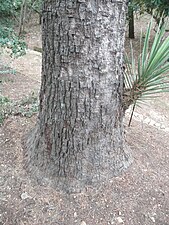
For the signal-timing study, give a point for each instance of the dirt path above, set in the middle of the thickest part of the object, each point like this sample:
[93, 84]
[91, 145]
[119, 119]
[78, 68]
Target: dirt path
[27, 77]
[138, 197]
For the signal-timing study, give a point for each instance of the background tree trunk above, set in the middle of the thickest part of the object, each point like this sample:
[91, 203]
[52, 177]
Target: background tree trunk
[131, 23]
[78, 138]
[22, 17]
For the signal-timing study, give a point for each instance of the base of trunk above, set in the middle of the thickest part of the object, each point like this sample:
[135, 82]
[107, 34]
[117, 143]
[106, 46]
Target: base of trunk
[44, 172]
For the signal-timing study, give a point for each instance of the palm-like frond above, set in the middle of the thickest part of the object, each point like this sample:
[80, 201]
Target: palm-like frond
[148, 77]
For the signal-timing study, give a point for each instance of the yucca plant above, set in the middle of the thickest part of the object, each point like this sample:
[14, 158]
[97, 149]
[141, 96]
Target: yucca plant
[147, 76]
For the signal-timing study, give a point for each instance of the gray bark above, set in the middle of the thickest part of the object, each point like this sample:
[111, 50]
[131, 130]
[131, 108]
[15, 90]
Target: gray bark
[78, 139]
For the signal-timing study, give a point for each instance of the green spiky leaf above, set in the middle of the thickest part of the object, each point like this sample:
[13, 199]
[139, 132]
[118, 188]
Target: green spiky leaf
[147, 76]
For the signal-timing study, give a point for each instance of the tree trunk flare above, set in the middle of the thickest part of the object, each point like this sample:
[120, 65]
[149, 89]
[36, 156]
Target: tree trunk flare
[78, 139]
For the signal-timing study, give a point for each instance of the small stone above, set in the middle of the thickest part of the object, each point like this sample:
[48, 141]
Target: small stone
[152, 218]
[147, 120]
[152, 123]
[25, 196]
[119, 220]
[83, 223]
[75, 214]
[112, 222]
[157, 124]
[162, 126]
[167, 129]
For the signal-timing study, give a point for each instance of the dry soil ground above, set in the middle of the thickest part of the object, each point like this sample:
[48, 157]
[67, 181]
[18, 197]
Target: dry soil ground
[139, 196]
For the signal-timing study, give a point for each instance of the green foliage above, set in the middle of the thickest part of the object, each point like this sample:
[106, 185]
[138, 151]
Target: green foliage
[4, 101]
[157, 8]
[5, 70]
[9, 40]
[9, 7]
[36, 5]
[133, 6]
[27, 107]
[147, 76]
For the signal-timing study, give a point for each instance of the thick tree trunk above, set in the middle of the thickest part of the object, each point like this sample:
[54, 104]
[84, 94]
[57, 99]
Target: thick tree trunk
[78, 138]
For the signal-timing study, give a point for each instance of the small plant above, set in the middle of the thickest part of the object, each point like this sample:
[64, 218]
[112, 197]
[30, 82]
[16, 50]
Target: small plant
[9, 40]
[4, 101]
[28, 106]
[147, 76]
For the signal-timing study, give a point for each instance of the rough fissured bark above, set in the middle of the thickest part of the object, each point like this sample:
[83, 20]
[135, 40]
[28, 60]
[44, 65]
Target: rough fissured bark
[78, 138]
